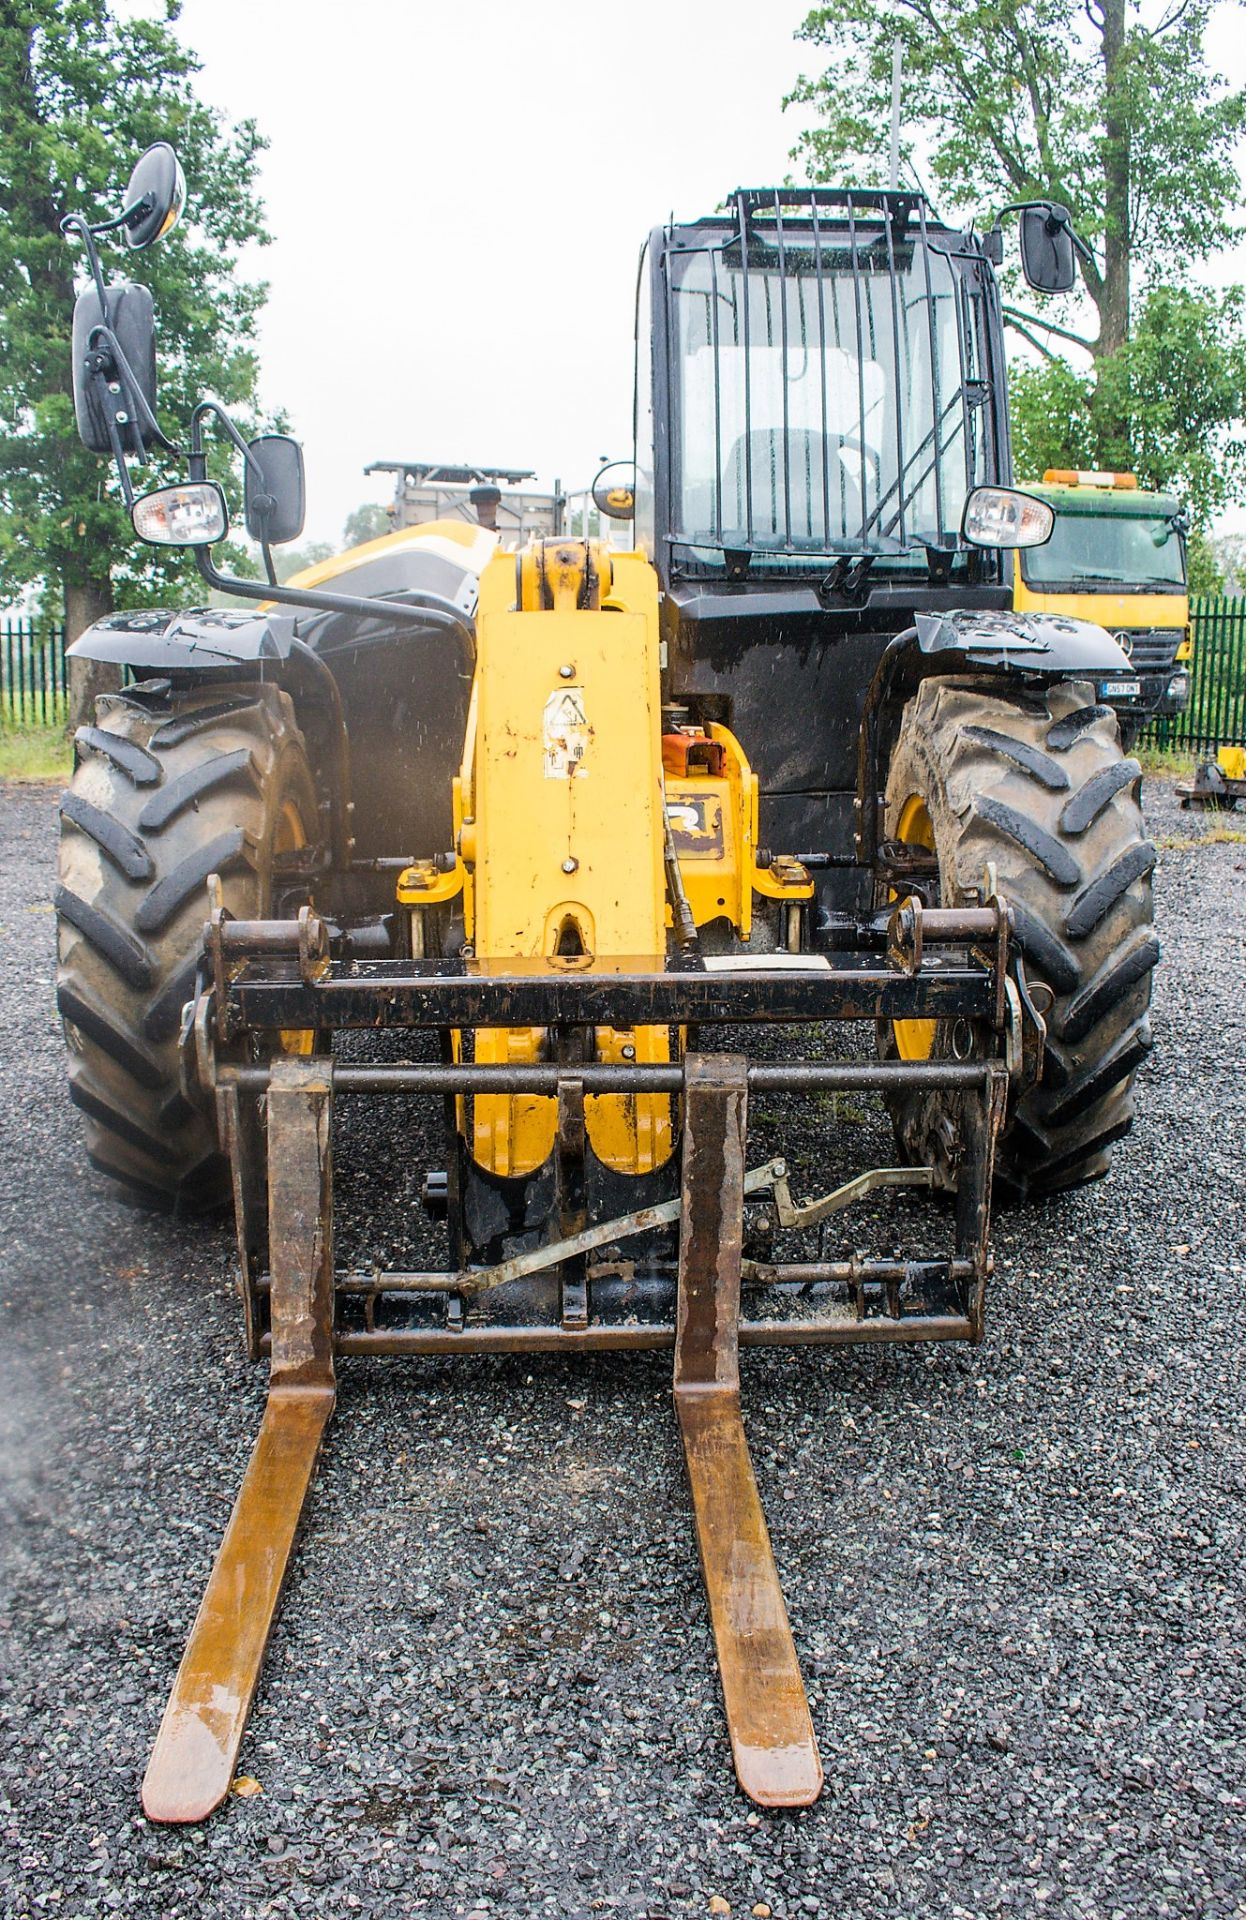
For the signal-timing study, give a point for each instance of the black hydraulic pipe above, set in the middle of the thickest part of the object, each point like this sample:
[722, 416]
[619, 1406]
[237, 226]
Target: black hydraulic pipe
[869, 773]
[421, 610]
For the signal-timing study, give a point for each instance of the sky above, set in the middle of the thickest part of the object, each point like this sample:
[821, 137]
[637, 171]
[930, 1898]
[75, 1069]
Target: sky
[458, 196]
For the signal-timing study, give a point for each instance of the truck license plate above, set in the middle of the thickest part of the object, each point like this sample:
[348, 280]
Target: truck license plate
[1120, 689]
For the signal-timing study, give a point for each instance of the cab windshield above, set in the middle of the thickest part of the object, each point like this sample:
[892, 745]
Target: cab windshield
[1108, 553]
[828, 389]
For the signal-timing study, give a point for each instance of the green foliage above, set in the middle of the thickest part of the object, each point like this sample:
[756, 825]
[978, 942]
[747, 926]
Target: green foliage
[1229, 555]
[292, 560]
[1202, 566]
[1180, 383]
[1052, 425]
[367, 522]
[82, 92]
[1179, 386]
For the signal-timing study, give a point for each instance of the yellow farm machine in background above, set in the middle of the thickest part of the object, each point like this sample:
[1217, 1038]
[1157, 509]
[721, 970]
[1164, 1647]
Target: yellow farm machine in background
[1117, 556]
[580, 825]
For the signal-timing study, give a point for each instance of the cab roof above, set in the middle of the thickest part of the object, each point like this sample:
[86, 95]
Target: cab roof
[1131, 502]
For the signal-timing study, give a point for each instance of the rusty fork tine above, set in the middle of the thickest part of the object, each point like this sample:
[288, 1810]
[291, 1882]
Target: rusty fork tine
[772, 1739]
[196, 1750]
[192, 1763]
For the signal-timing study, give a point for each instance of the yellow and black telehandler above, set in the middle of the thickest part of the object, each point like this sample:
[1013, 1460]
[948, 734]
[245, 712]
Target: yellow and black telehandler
[575, 822]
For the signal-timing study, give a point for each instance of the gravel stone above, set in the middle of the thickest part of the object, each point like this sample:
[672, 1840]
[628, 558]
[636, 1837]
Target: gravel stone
[1015, 1574]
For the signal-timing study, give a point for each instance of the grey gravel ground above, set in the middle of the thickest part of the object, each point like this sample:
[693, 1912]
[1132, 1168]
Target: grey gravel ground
[1015, 1575]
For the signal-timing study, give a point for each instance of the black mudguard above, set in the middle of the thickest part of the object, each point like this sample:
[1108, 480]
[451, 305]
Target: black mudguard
[1027, 643]
[196, 640]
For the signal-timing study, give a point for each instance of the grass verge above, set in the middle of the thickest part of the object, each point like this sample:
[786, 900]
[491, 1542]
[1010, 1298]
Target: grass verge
[35, 753]
[1173, 766]
[1186, 842]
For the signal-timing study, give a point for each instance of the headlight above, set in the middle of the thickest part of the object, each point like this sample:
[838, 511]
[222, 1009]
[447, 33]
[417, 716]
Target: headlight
[1002, 517]
[192, 515]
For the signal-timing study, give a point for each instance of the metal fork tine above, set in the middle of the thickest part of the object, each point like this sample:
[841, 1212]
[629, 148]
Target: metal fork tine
[196, 1750]
[772, 1739]
[192, 1763]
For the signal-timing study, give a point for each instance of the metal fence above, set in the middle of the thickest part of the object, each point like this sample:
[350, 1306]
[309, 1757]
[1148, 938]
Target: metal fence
[1216, 715]
[34, 677]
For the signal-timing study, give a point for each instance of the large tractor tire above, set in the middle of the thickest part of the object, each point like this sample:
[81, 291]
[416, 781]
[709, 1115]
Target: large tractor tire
[166, 792]
[1034, 784]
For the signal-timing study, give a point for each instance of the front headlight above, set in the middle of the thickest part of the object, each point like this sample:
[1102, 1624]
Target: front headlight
[1004, 517]
[192, 515]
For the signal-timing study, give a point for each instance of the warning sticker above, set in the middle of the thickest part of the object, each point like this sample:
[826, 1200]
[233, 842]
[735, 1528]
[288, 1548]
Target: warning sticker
[696, 826]
[565, 733]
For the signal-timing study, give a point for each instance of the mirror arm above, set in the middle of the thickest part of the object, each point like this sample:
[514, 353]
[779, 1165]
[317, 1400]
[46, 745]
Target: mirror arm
[419, 610]
[214, 407]
[118, 454]
[134, 395]
[1053, 225]
[199, 463]
[74, 223]
[125, 219]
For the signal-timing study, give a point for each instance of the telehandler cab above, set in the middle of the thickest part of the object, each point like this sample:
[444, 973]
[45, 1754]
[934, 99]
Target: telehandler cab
[586, 820]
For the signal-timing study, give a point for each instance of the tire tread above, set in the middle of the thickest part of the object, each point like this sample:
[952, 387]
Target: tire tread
[1075, 866]
[174, 787]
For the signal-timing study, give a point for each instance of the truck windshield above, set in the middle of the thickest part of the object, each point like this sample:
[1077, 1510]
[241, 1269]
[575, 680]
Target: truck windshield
[1091, 552]
[825, 388]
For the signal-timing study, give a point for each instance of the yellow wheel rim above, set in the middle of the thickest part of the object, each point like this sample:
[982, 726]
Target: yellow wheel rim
[290, 836]
[915, 1038]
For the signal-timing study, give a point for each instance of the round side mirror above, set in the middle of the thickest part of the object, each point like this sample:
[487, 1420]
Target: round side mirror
[614, 490]
[155, 196]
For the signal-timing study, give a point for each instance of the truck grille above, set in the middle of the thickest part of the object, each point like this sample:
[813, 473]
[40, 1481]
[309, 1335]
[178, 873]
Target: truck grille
[1150, 647]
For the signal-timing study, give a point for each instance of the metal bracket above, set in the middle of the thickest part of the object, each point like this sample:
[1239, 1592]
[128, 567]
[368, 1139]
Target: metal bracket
[474, 1281]
[572, 1209]
[811, 1211]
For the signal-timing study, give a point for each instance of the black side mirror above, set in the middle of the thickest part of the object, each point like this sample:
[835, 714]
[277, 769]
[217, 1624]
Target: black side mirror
[155, 196]
[274, 493]
[132, 322]
[614, 490]
[1047, 247]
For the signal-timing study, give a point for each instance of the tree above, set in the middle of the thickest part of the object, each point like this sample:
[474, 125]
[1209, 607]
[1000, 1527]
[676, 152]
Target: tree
[1168, 406]
[1109, 108]
[1228, 554]
[1106, 106]
[81, 94]
[291, 560]
[367, 522]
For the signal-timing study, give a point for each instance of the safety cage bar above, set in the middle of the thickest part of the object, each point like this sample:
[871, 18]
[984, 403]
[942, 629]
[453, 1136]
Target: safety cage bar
[773, 231]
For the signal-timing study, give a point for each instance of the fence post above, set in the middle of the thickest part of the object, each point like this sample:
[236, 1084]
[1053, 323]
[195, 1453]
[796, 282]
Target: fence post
[34, 675]
[1216, 714]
